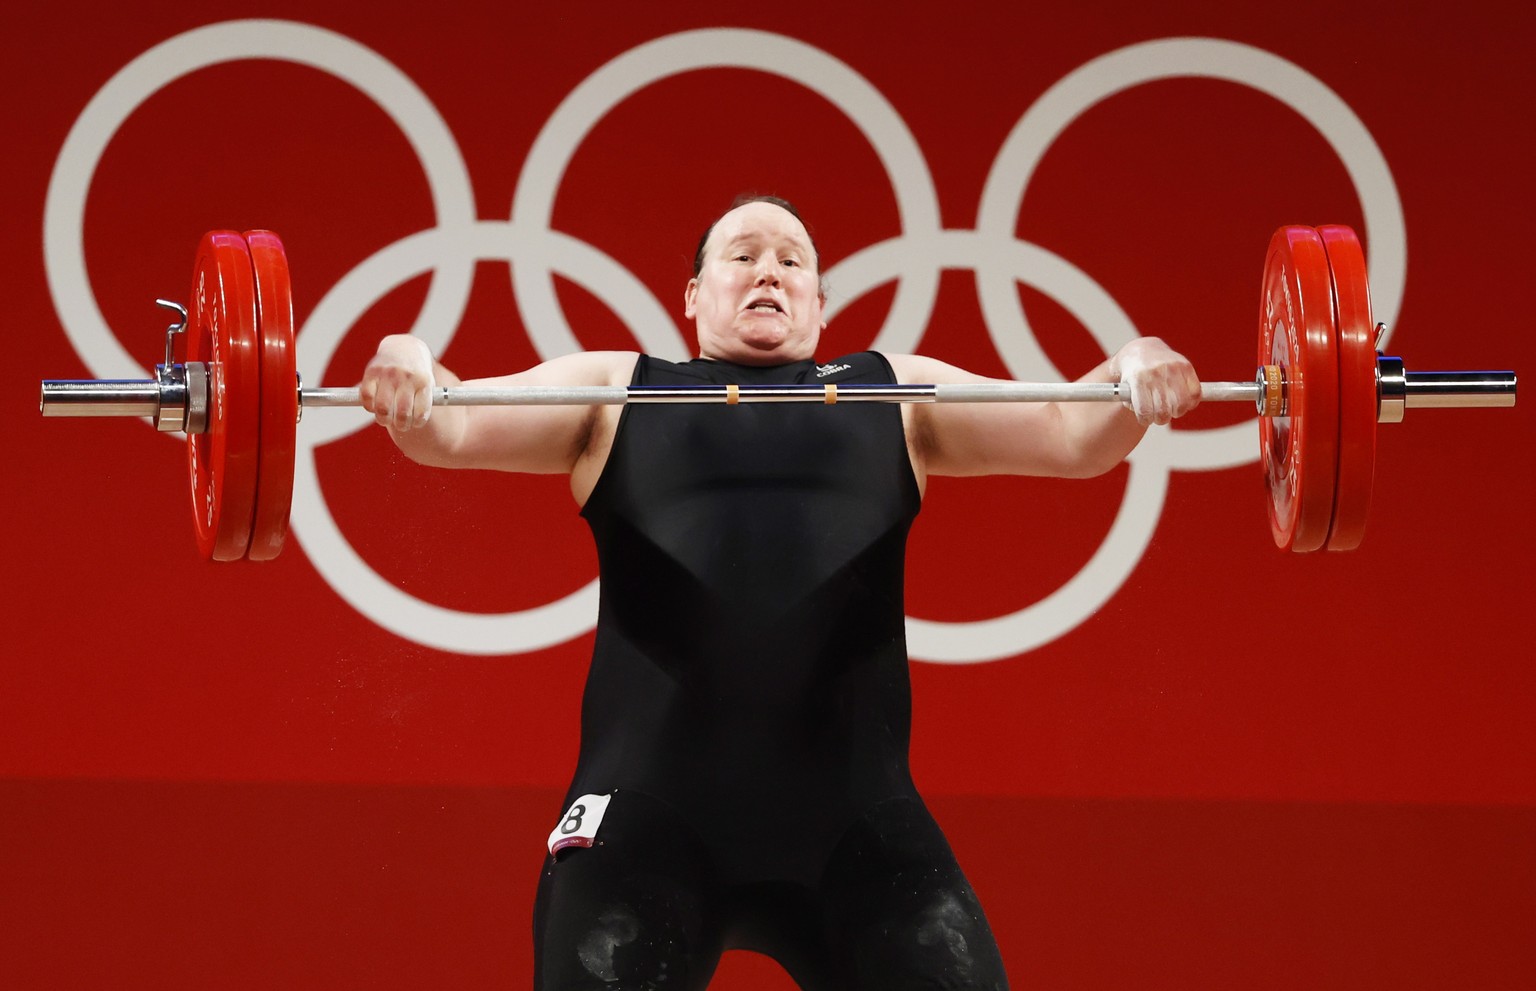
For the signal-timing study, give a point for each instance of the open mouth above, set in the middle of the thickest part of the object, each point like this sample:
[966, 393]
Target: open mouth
[764, 306]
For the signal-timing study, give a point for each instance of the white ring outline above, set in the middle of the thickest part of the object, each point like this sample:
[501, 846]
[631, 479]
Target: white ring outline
[69, 185]
[1146, 488]
[917, 200]
[1191, 450]
[1073, 95]
[481, 634]
[993, 255]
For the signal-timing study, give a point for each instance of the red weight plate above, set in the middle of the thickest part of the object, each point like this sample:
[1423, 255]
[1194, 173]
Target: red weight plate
[221, 331]
[279, 395]
[1357, 387]
[1296, 332]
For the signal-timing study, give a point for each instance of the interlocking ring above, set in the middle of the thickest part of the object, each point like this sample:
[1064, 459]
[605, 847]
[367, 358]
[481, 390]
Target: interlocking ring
[914, 259]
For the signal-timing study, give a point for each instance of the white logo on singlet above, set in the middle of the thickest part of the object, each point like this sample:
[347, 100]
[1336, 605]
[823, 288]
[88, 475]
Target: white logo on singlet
[822, 371]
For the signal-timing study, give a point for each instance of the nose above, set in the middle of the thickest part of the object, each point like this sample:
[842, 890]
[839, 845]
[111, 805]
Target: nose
[767, 269]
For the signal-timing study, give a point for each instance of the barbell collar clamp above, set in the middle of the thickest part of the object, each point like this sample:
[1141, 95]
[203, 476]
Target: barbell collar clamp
[174, 407]
[197, 397]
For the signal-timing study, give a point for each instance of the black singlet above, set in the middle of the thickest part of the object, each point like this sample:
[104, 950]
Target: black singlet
[748, 704]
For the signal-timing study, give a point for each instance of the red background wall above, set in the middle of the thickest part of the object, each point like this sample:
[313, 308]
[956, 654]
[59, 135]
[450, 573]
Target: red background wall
[1244, 769]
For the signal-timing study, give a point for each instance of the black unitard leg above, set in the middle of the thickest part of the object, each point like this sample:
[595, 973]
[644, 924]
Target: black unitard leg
[632, 913]
[900, 913]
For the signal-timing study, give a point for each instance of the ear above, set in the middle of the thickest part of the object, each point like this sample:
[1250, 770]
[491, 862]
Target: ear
[690, 298]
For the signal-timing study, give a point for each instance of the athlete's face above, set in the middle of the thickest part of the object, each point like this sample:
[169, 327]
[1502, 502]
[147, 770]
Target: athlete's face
[757, 298]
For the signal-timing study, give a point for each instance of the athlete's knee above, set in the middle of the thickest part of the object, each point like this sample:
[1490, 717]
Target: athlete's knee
[950, 944]
[904, 912]
[625, 945]
[621, 949]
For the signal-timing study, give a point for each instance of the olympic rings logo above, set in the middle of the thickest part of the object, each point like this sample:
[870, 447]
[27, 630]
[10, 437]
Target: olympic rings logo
[914, 258]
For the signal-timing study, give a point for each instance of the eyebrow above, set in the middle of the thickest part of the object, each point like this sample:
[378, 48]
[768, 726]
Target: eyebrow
[800, 244]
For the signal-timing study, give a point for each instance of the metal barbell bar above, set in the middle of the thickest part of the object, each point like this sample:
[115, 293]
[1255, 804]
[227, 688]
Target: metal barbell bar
[152, 398]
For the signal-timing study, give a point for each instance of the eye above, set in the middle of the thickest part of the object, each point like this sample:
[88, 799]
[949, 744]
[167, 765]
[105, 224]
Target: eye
[742, 258]
[791, 262]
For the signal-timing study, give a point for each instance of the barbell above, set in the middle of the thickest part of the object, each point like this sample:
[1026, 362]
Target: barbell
[1320, 391]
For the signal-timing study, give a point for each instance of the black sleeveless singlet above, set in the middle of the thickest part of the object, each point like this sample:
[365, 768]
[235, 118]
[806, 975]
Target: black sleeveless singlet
[747, 710]
[750, 660]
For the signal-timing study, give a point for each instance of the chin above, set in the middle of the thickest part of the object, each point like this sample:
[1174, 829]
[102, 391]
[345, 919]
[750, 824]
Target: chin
[781, 351]
[759, 356]
[763, 349]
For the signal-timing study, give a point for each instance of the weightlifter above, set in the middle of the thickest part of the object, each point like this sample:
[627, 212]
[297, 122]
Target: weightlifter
[743, 778]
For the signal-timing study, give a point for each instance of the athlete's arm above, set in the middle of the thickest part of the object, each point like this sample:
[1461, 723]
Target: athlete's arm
[1070, 440]
[397, 389]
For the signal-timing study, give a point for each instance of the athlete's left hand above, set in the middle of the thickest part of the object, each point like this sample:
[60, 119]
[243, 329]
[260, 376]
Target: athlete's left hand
[1162, 383]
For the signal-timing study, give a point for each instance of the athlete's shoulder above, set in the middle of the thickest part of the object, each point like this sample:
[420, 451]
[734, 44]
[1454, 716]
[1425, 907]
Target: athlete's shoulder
[860, 366]
[651, 370]
[921, 369]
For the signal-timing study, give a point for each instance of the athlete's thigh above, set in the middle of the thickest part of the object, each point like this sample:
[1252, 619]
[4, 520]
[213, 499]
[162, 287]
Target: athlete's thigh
[901, 913]
[631, 911]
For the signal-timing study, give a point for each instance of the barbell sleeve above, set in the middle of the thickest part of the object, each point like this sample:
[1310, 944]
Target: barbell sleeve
[100, 397]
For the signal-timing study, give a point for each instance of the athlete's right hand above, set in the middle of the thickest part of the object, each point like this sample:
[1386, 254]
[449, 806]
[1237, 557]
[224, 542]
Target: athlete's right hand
[397, 383]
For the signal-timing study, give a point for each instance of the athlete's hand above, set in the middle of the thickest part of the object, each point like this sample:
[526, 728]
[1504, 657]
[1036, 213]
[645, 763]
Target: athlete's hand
[1162, 384]
[397, 383]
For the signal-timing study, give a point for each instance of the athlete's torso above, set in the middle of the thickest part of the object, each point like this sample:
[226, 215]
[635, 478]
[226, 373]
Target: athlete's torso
[750, 662]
